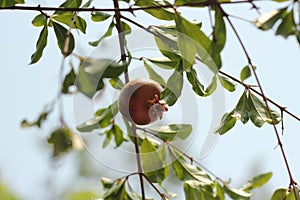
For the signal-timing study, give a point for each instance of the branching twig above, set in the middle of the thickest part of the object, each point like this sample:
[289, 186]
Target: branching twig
[292, 182]
[133, 126]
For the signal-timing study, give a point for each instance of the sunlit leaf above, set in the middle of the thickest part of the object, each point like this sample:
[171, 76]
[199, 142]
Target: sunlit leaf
[211, 87]
[6, 193]
[40, 45]
[162, 13]
[227, 122]
[101, 120]
[126, 28]
[197, 190]
[67, 19]
[153, 162]
[64, 39]
[237, 194]
[154, 75]
[287, 26]
[116, 83]
[219, 191]
[185, 171]
[257, 181]
[99, 16]
[243, 108]
[267, 20]
[196, 84]
[259, 114]
[164, 62]
[172, 131]
[279, 194]
[227, 83]
[39, 20]
[106, 182]
[106, 34]
[245, 73]
[173, 89]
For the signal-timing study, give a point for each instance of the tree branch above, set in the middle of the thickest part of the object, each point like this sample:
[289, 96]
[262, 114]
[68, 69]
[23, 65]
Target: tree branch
[265, 99]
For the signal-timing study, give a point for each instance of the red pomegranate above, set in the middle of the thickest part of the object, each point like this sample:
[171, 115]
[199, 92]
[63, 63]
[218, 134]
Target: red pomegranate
[139, 101]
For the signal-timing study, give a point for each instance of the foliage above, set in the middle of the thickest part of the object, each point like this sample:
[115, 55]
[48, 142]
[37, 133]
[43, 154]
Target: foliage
[182, 43]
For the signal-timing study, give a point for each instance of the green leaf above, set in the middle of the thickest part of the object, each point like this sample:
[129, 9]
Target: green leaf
[126, 28]
[279, 194]
[108, 138]
[71, 4]
[42, 118]
[153, 162]
[164, 62]
[227, 122]
[185, 171]
[186, 44]
[192, 40]
[287, 26]
[196, 84]
[106, 34]
[173, 89]
[40, 45]
[116, 83]
[245, 73]
[82, 195]
[257, 181]
[219, 191]
[6, 193]
[291, 194]
[166, 42]
[153, 75]
[197, 190]
[87, 4]
[162, 13]
[99, 16]
[61, 36]
[172, 131]
[101, 120]
[63, 140]
[92, 71]
[211, 87]
[259, 114]
[39, 20]
[227, 83]
[219, 33]
[117, 191]
[107, 183]
[69, 81]
[8, 3]
[67, 19]
[267, 20]
[237, 194]
[243, 108]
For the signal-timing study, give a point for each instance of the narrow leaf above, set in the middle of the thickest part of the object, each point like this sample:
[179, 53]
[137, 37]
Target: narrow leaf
[172, 131]
[226, 83]
[245, 73]
[173, 89]
[62, 35]
[106, 34]
[162, 13]
[154, 76]
[257, 181]
[267, 20]
[40, 45]
[99, 16]
[227, 122]
[243, 108]
[153, 163]
[237, 194]
[287, 26]
[69, 81]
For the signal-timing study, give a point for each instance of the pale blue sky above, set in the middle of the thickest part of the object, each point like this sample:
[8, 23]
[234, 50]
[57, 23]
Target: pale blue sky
[240, 153]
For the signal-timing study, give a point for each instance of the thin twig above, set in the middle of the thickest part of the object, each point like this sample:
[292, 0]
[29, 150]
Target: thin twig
[133, 126]
[292, 182]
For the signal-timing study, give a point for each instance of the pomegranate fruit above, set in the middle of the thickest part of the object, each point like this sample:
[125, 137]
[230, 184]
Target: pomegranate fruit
[139, 101]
